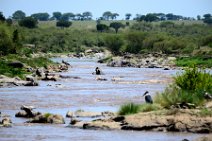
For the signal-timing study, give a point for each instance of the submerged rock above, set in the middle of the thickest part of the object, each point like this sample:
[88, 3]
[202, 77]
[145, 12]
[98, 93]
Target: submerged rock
[27, 112]
[48, 118]
[6, 122]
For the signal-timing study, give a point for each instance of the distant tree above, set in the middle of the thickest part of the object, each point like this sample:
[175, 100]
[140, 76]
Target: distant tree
[57, 15]
[107, 15]
[127, 16]
[116, 26]
[63, 24]
[114, 15]
[28, 22]
[170, 16]
[87, 15]
[18, 15]
[79, 16]
[139, 17]
[2, 18]
[101, 27]
[207, 19]
[198, 17]
[151, 17]
[65, 17]
[41, 16]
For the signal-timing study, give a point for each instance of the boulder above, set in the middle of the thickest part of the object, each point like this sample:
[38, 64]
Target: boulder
[27, 112]
[69, 114]
[48, 118]
[6, 122]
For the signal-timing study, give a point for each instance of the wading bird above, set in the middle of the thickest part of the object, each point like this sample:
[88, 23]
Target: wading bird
[148, 98]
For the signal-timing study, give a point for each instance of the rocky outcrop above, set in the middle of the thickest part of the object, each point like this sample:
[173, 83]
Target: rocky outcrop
[16, 81]
[154, 60]
[27, 112]
[182, 120]
[48, 118]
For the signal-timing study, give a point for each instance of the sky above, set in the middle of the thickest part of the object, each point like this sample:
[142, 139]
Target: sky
[187, 8]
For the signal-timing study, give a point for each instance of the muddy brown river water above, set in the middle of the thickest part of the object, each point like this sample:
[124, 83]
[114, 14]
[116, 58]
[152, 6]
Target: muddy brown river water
[88, 94]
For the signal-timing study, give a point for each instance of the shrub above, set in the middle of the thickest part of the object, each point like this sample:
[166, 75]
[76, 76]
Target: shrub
[135, 41]
[129, 108]
[114, 43]
[28, 22]
[194, 79]
[188, 87]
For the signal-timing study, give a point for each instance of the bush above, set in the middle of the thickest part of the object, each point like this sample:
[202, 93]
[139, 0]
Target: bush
[194, 79]
[135, 41]
[129, 108]
[28, 22]
[188, 87]
[114, 43]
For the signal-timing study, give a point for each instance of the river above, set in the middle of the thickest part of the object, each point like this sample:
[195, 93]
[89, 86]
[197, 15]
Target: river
[88, 94]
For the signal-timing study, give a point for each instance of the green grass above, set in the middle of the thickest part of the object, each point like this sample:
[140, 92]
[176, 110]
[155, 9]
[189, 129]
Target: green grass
[189, 61]
[128, 109]
[27, 61]
[205, 112]
[132, 108]
[46, 115]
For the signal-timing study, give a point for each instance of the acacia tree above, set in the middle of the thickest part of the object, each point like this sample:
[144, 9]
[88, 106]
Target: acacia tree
[116, 26]
[57, 15]
[41, 16]
[107, 15]
[207, 19]
[18, 15]
[127, 16]
[114, 15]
[87, 15]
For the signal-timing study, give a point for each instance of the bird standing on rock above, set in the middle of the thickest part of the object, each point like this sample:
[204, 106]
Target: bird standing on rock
[148, 98]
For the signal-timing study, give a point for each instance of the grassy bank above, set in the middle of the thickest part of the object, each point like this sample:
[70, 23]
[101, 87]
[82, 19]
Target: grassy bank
[28, 62]
[187, 91]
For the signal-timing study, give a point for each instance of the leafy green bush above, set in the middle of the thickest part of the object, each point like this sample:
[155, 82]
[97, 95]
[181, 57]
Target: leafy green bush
[114, 43]
[194, 79]
[135, 41]
[188, 87]
[129, 108]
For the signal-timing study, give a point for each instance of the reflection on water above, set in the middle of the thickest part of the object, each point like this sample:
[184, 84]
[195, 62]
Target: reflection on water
[88, 94]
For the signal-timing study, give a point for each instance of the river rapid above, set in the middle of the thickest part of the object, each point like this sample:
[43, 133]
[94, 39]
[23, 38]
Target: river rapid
[123, 85]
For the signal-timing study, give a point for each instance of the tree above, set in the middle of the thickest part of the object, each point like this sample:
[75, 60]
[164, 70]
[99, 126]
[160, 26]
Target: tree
[87, 15]
[57, 15]
[18, 15]
[101, 27]
[207, 19]
[79, 16]
[198, 17]
[41, 16]
[114, 15]
[151, 17]
[2, 18]
[127, 16]
[107, 15]
[116, 26]
[28, 22]
[63, 24]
